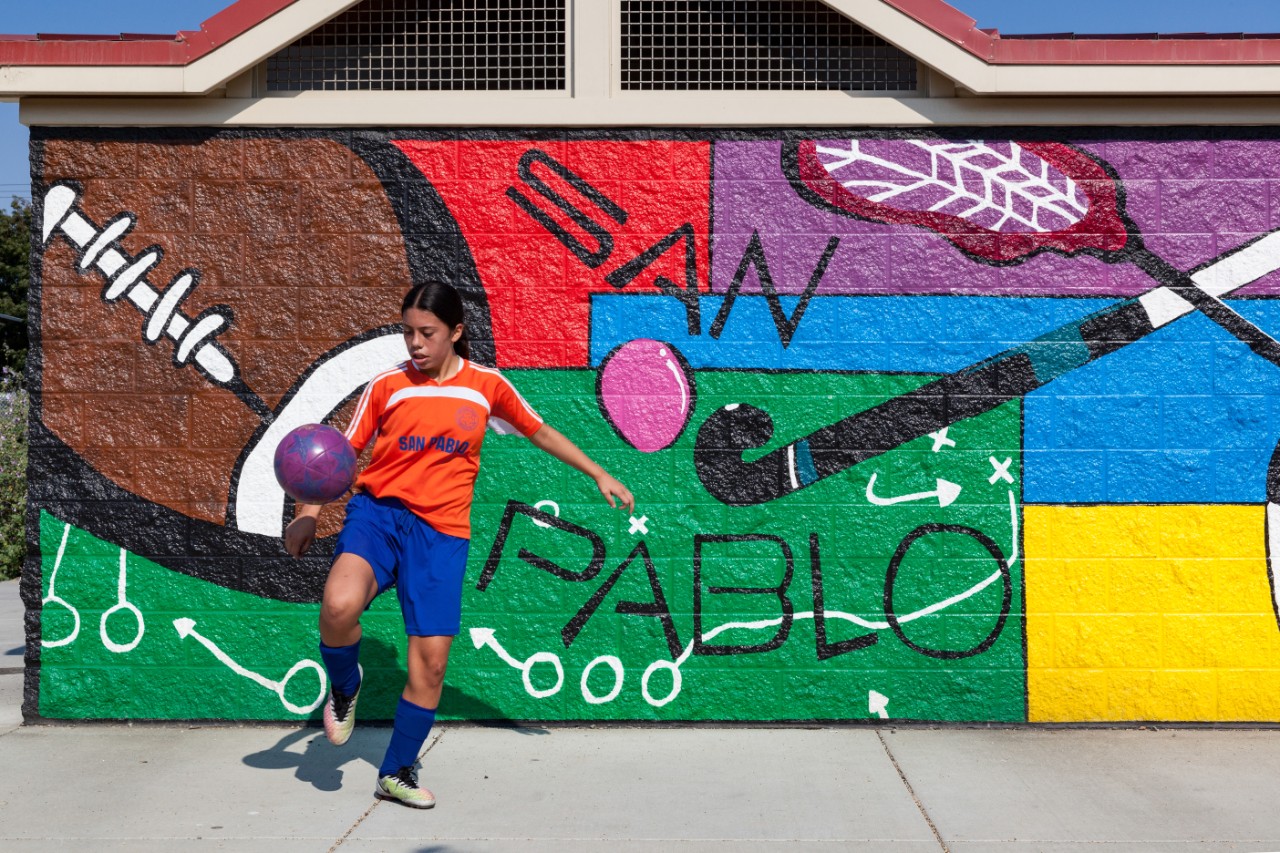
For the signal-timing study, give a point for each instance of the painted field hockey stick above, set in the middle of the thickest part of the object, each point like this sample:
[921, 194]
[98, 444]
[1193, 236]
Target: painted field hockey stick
[1095, 225]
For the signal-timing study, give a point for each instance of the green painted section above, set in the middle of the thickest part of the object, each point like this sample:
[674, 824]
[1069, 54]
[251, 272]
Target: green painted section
[166, 676]
[527, 608]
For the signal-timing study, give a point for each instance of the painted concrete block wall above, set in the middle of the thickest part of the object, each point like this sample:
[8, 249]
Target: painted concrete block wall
[919, 425]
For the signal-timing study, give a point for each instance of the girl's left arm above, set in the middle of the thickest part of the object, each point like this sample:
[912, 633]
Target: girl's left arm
[552, 441]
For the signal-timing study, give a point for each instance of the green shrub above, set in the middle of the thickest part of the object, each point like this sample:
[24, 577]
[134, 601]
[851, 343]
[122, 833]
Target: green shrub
[14, 405]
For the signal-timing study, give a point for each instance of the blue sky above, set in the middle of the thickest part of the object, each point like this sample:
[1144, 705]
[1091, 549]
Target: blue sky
[1010, 16]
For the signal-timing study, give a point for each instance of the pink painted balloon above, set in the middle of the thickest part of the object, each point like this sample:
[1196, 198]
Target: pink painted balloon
[646, 392]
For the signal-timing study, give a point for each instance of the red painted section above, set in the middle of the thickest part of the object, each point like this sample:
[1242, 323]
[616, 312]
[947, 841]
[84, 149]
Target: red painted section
[1065, 49]
[539, 289]
[1101, 230]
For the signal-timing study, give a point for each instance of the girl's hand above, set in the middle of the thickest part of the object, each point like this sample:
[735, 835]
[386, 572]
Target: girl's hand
[299, 535]
[611, 488]
[549, 439]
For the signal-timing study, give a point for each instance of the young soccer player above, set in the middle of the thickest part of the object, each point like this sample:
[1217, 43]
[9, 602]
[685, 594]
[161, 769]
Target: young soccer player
[409, 521]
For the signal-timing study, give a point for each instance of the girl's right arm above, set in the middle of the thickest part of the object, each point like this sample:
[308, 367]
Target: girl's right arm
[301, 532]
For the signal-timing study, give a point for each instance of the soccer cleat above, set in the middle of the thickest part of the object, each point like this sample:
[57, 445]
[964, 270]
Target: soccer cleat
[402, 786]
[340, 714]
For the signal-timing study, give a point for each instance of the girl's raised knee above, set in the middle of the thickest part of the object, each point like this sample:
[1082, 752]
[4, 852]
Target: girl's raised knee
[340, 613]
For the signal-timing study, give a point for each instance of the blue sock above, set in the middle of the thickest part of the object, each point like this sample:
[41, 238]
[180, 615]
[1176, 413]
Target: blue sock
[342, 662]
[413, 724]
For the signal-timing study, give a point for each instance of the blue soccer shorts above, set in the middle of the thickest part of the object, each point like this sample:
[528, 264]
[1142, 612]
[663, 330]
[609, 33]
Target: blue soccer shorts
[425, 566]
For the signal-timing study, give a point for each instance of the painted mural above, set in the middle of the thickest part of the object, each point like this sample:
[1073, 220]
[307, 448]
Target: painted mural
[973, 426]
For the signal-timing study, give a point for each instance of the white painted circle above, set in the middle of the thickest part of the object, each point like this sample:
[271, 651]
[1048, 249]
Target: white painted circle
[616, 665]
[118, 648]
[675, 682]
[298, 667]
[555, 510]
[550, 658]
[75, 632]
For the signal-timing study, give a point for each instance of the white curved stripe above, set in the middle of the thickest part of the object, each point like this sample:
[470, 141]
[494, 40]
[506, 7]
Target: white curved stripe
[366, 394]
[1013, 522]
[458, 393]
[1273, 549]
[259, 500]
[680, 380]
[877, 625]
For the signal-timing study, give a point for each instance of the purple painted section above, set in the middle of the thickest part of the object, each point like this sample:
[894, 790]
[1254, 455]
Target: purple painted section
[1191, 201]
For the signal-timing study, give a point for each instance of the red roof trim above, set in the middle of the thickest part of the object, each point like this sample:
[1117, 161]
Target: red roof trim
[1071, 49]
[950, 23]
[181, 48]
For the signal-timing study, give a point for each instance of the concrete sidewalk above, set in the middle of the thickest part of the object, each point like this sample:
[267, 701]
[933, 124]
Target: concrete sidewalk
[280, 789]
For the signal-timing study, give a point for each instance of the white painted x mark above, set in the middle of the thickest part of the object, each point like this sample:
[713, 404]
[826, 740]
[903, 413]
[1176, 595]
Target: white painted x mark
[1002, 470]
[638, 524]
[940, 439]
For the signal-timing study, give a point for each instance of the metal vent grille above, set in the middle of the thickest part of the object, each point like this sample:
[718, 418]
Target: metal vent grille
[754, 44]
[467, 45]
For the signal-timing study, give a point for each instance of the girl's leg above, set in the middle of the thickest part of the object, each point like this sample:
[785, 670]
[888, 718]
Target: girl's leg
[428, 658]
[347, 592]
[416, 712]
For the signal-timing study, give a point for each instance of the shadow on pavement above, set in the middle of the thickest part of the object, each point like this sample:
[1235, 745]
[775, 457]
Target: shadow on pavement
[320, 763]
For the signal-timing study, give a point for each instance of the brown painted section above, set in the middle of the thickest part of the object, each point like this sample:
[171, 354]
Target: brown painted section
[295, 237]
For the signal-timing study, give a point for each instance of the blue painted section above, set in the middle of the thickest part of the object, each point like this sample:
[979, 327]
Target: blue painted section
[806, 473]
[1057, 353]
[1186, 415]
[907, 334]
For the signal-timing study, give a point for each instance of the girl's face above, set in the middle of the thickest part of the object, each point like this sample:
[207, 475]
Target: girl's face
[428, 339]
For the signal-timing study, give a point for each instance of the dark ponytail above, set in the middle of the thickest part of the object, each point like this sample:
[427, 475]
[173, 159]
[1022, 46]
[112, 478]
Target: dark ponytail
[441, 299]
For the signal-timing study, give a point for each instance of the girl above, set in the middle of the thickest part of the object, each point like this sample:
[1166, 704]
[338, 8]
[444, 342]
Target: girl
[408, 522]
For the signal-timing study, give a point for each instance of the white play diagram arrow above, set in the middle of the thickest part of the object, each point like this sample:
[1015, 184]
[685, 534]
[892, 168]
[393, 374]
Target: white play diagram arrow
[187, 628]
[481, 637]
[878, 704]
[946, 493]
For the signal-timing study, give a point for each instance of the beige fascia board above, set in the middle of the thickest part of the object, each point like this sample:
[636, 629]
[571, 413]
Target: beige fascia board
[687, 110]
[114, 80]
[1031, 80]
[1152, 80]
[213, 70]
[245, 51]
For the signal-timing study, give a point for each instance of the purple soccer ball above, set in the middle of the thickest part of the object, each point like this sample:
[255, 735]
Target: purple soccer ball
[315, 464]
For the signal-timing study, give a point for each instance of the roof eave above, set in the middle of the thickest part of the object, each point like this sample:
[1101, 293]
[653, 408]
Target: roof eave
[941, 37]
[948, 41]
[192, 63]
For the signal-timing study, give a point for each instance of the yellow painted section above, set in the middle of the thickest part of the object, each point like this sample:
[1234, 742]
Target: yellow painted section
[1149, 613]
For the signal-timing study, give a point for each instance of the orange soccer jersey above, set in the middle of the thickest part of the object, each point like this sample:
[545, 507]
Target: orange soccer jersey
[427, 436]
